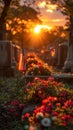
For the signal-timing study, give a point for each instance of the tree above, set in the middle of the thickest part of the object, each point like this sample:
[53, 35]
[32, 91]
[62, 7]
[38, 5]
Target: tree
[3, 18]
[66, 7]
[16, 16]
[20, 21]
[57, 35]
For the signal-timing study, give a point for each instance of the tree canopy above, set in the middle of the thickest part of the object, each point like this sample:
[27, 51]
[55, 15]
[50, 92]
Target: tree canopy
[17, 16]
[66, 6]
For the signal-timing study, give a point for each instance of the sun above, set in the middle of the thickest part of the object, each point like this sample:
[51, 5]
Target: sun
[38, 28]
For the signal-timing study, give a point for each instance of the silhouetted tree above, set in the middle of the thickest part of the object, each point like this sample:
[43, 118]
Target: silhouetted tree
[66, 7]
[3, 18]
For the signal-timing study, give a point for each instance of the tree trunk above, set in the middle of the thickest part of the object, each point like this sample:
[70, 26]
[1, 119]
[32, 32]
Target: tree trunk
[3, 19]
[2, 31]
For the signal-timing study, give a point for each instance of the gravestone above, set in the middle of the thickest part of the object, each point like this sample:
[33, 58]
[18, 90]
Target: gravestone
[62, 54]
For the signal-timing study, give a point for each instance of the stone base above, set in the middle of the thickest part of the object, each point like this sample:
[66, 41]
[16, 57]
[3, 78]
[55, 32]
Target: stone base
[68, 66]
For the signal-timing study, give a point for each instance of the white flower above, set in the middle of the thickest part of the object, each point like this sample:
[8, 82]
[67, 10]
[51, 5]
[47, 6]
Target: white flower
[26, 127]
[32, 72]
[54, 118]
[46, 122]
[39, 114]
[36, 66]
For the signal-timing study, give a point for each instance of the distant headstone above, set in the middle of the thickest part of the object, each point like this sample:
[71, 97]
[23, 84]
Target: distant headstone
[62, 54]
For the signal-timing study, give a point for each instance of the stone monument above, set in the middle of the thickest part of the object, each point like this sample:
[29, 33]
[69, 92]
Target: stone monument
[68, 65]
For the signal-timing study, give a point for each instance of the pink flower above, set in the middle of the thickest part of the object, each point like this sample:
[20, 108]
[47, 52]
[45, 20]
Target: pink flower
[16, 114]
[36, 79]
[21, 106]
[29, 84]
[51, 78]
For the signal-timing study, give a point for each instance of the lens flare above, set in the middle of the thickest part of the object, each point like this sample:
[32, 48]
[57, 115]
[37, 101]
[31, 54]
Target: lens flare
[38, 28]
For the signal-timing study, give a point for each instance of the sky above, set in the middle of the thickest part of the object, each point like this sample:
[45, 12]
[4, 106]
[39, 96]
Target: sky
[53, 18]
[49, 15]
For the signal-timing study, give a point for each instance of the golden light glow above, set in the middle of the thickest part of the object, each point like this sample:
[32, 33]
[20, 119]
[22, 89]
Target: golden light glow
[38, 28]
[53, 53]
[14, 32]
[63, 35]
[42, 4]
[57, 20]
[20, 67]
[49, 7]
[42, 51]
[49, 10]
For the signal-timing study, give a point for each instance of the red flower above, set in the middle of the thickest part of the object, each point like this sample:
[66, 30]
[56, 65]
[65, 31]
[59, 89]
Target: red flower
[47, 109]
[68, 103]
[55, 113]
[55, 83]
[25, 115]
[12, 110]
[15, 103]
[66, 118]
[44, 83]
[64, 124]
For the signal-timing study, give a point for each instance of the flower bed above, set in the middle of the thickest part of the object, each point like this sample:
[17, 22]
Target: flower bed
[53, 114]
[39, 89]
[34, 66]
[38, 105]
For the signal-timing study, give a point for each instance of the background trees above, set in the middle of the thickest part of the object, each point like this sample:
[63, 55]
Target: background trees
[21, 19]
[66, 7]
[18, 20]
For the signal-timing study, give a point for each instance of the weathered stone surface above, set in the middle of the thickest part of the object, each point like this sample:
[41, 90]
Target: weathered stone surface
[68, 66]
[29, 109]
[64, 77]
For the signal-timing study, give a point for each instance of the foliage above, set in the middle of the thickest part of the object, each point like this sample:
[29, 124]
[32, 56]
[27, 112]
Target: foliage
[66, 6]
[39, 89]
[18, 18]
[15, 97]
[19, 21]
[57, 35]
[52, 114]
[11, 88]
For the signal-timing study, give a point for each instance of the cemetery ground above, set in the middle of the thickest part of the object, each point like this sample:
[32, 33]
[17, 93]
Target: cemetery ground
[36, 103]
